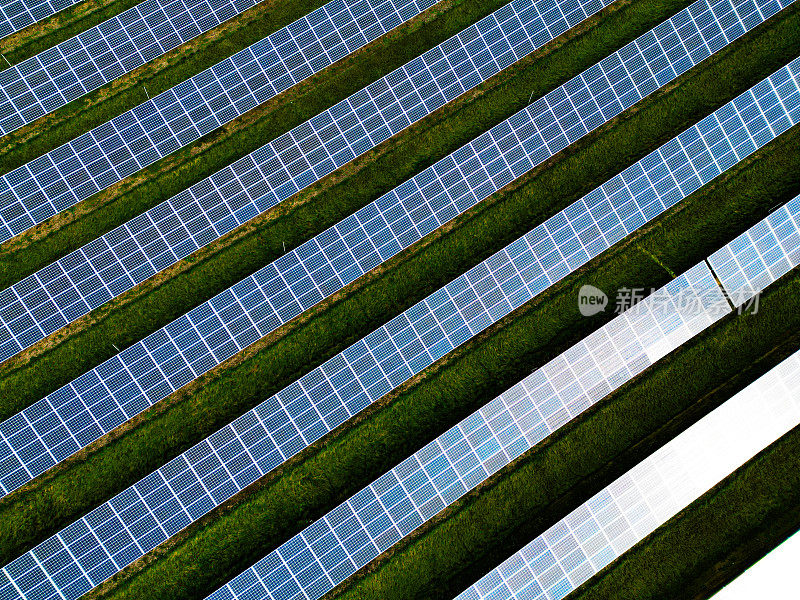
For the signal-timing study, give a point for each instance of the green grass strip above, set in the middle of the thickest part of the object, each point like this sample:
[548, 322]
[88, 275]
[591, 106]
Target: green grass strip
[245, 529]
[124, 322]
[715, 538]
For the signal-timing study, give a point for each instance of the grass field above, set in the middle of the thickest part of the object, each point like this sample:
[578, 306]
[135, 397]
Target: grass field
[472, 536]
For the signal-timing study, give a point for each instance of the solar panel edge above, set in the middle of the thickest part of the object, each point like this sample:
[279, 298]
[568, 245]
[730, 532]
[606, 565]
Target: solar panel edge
[24, 15]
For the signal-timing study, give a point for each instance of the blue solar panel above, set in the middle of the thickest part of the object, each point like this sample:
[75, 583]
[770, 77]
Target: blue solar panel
[108, 153]
[261, 439]
[633, 506]
[759, 256]
[79, 65]
[18, 14]
[174, 229]
[111, 265]
[73, 416]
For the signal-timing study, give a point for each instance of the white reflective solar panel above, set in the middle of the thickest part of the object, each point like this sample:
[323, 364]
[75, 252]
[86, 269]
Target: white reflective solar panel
[137, 138]
[172, 230]
[629, 509]
[774, 576]
[18, 14]
[190, 485]
[346, 539]
[51, 79]
[759, 256]
[92, 275]
[75, 415]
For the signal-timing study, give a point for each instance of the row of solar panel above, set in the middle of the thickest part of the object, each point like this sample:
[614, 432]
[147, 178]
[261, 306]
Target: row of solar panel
[87, 278]
[346, 539]
[18, 14]
[80, 412]
[212, 471]
[633, 506]
[181, 115]
[63, 73]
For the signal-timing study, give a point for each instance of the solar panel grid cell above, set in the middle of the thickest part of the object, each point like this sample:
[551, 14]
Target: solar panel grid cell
[176, 228]
[18, 14]
[258, 441]
[73, 416]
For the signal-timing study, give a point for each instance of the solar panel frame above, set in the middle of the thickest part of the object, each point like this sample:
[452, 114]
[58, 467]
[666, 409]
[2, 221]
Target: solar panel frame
[633, 506]
[75, 171]
[53, 78]
[760, 255]
[19, 14]
[345, 540]
[57, 426]
[177, 227]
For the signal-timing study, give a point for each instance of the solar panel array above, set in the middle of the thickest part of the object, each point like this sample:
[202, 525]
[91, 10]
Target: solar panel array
[51, 79]
[67, 71]
[80, 412]
[138, 519]
[135, 521]
[181, 115]
[212, 471]
[18, 14]
[633, 506]
[759, 256]
[327, 552]
[90, 276]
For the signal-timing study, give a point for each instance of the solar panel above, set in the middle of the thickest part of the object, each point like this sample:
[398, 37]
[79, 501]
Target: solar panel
[75, 415]
[128, 255]
[190, 485]
[61, 74]
[633, 506]
[18, 14]
[108, 153]
[759, 256]
[111, 536]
